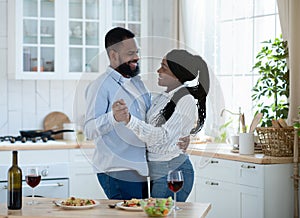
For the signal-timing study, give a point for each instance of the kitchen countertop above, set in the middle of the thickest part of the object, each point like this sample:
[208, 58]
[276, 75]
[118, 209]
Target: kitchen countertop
[222, 151]
[50, 145]
[46, 209]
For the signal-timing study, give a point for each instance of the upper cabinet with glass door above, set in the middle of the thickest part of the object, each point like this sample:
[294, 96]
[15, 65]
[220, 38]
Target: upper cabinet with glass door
[51, 39]
[83, 44]
[32, 39]
[128, 14]
[60, 39]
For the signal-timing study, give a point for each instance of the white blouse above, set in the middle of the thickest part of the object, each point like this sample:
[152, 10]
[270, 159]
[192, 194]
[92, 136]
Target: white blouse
[161, 141]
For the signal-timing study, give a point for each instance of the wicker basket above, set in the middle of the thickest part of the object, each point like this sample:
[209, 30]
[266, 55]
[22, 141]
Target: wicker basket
[277, 142]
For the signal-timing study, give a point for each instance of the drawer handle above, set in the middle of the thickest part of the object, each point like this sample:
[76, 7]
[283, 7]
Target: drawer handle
[247, 166]
[214, 161]
[52, 184]
[59, 184]
[211, 183]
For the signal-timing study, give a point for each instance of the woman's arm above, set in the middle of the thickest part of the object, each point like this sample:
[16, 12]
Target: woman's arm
[179, 124]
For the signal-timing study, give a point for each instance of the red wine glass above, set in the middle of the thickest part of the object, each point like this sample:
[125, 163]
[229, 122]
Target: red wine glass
[175, 183]
[33, 178]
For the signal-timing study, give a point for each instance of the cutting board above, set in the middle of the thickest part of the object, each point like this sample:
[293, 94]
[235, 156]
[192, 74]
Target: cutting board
[55, 121]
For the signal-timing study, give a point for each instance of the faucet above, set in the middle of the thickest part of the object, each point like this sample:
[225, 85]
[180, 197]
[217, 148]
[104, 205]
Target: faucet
[222, 112]
[233, 113]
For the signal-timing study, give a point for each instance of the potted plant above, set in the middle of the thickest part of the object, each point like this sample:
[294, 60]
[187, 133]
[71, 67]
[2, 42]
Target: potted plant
[271, 90]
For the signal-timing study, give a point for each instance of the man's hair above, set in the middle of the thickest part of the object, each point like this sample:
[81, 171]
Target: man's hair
[117, 35]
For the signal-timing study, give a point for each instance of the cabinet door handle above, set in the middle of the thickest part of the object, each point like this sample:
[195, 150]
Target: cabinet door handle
[4, 187]
[247, 166]
[214, 161]
[211, 183]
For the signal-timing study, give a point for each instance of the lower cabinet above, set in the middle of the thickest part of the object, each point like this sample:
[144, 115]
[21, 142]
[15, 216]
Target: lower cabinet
[222, 196]
[83, 180]
[243, 190]
[251, 202]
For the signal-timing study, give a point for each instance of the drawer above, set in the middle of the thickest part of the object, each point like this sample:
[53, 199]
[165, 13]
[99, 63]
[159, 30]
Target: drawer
[214, 168]
[251, 174]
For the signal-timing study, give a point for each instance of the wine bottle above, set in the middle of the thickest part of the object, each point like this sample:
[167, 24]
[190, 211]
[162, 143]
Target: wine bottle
[14, 186]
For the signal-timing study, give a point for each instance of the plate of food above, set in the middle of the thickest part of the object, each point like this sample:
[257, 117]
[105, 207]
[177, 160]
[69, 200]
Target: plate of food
[133, 205]
[76, 203]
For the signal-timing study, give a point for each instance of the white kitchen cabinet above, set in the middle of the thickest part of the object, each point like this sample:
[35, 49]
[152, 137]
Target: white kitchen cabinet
[243, 190]
[50, 39]
[251, 202]
[83, 180]
[78, 172]
[53, 166]
[222, 195]
[61, 40]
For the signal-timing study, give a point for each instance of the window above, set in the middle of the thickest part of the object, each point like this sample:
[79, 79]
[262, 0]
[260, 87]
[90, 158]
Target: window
[232, 38]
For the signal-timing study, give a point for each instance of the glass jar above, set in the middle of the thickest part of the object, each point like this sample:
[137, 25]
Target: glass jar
[34, 64]
[49, 66]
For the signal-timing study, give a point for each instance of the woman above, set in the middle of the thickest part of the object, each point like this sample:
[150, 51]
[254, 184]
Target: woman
[172, 115]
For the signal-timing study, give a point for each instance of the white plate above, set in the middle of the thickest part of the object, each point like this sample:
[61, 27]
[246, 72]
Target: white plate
[120, 205]
[59, 203]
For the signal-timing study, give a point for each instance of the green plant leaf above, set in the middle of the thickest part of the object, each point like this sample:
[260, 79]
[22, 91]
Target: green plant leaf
[273, 83]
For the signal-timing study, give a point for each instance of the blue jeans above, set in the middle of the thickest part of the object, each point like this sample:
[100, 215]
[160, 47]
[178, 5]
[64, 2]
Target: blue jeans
[116, 186]
[159, 172]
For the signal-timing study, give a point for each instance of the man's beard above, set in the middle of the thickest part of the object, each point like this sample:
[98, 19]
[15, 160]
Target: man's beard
[125, 70]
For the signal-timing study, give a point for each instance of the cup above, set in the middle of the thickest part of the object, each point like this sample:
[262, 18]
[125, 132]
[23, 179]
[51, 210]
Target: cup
[246, 143]
[69, 135]
[233, 140]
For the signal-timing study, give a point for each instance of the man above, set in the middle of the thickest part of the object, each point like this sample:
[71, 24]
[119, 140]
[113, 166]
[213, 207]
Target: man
[120, 157]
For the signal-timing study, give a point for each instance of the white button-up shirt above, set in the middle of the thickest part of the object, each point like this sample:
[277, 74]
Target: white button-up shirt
[161, 141]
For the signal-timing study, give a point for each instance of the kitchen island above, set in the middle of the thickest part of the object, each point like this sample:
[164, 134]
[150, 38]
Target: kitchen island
[46, 209]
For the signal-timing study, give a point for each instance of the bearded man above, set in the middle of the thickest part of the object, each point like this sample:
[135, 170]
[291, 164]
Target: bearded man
[120, 157]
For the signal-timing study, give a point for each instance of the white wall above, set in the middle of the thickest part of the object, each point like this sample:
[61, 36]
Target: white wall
[24, 104]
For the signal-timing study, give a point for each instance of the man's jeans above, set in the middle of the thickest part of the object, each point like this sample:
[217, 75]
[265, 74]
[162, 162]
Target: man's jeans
[123, 185]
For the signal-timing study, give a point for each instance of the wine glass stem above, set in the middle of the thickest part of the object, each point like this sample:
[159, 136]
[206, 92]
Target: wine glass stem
[32, 195]
[174, 200]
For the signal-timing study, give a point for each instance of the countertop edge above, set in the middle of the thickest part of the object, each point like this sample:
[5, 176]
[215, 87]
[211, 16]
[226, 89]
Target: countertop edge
[221, 151]
[40, 146]
[224, 152]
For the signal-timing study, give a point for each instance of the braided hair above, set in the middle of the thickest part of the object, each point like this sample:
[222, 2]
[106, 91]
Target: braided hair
[187, 67]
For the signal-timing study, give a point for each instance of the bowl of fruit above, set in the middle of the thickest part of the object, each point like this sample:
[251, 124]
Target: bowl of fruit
[157, 207]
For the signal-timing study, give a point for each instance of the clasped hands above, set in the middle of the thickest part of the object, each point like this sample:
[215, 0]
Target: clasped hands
[120, 111]
[121, 114]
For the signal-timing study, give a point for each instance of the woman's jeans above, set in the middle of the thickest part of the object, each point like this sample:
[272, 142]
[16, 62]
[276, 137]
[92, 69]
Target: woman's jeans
[159, 172]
